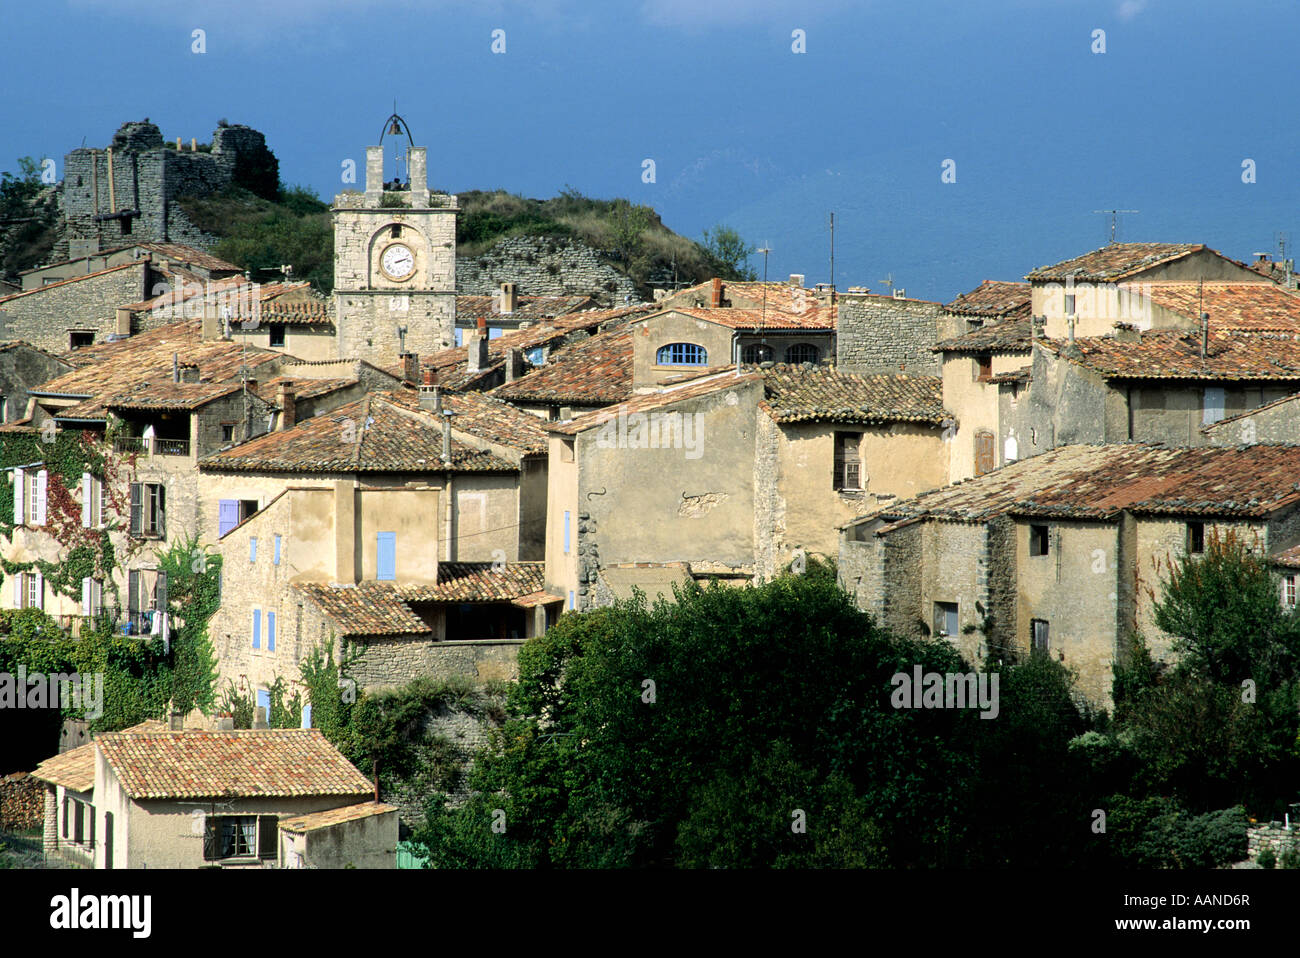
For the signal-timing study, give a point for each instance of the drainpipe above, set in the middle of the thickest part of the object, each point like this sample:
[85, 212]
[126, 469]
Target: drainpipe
[1205, 334]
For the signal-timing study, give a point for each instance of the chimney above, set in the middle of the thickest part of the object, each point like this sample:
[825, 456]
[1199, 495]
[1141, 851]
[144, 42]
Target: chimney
[478, 347]
[194, 144]
[123, 327]
[796, 280]
[177, 720]
[288, 406]
[715, 299]
[1070, 322]
[430, 398]
[411, 368]
[259, 718]
[509, 298]
[1127, 333]
[176, 367]
[514, 363]
[225, 723]
[1205, 334]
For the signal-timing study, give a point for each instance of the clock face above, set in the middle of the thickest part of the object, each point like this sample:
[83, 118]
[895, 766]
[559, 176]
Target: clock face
[397, 262]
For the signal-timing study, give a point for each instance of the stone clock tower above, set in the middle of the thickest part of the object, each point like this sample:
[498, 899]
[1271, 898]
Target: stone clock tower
[394, 263]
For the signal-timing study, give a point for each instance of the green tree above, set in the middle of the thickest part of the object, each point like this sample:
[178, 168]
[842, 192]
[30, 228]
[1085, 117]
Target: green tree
[627, 226]
[729, 254]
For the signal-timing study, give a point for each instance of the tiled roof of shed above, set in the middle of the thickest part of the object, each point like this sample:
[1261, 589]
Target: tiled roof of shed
[1008, 336]
[368, 608]
[389, 437]
[75, 768]
[592, 372]
[1175, 354]
[272, 763]
[1100, 481]
[169, 395]
[334, 816]
[1114, 262]
[807, 394]
[1236, 306]
[993, 298]
[486, 417]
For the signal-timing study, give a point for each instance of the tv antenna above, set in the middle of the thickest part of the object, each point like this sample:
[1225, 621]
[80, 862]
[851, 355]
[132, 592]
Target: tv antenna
[888, 282]
[1113, 214]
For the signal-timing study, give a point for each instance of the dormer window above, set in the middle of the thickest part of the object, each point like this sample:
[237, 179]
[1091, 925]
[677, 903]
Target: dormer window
[682, 354]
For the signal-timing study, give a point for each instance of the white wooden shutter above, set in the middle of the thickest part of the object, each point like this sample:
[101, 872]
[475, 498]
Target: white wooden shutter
[86, 490]
[40, 590]
[85, 597]
[18, 590]
[20, 497]
[41, 478]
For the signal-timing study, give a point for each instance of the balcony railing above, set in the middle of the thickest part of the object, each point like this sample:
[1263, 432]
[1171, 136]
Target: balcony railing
[171, 447]
[128, 444]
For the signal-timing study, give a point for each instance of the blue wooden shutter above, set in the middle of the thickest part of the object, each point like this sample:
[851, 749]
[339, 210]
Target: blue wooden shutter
[270, 631]
[277, 548]
[252, 548]
[257, 628]
[227, 516]
[386, 560]
[306, 716]
[566, 531]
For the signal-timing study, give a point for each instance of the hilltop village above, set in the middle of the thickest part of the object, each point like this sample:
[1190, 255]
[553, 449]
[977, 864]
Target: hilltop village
[422, 478]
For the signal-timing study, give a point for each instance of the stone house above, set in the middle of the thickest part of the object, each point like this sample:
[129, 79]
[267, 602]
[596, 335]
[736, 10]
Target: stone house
[1063, 553]
[985, 376]
[1277, 421]
[732, 476]
[259, 798]
[1114, 284]
[196, 263]
[370, 524]
[24, 367]
[78, 311]
[889, 334]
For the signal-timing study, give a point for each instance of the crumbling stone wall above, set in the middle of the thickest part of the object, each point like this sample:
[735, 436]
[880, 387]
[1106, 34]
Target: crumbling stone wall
[543, 266]
[385, 662]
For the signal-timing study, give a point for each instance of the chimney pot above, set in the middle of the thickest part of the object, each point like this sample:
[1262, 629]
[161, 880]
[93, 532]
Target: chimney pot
[509, 298]
[514, 363]
[715, 299]
[288, 406]
[123, 324]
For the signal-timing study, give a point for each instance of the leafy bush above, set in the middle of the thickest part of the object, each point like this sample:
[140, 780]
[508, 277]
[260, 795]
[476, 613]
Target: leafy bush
[1267, 858]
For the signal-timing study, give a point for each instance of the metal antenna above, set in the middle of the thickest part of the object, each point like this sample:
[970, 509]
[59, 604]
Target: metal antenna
[1113, 214]
[832, 250]
[764, 250]
[889, 282]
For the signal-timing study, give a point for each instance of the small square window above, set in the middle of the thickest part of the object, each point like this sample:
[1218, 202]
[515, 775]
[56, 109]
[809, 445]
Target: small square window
[79, 339]
[227, 432]
[1038, 540]
[1038, 636]
[984, 368]
[1196, 537]
[1069, 304]
[277, 334]
[945, 618]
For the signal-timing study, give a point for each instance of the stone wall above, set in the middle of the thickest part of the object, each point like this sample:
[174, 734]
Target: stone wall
[22, 369]
[880, 334]
[543, 266]
[147, 176]
[386, 662]
[22, 803]
[45, 317]
[1274, 835]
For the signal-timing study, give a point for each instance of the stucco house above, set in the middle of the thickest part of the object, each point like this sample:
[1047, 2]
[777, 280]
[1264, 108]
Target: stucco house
[161, 798]
[1062, 553]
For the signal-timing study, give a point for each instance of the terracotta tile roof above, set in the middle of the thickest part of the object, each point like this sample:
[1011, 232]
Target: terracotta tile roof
[232, 289]
[1114, 262]
[480, 582]
[334, 816]
[390, 437]
[1100, 481]
[302, 388]
[169, 395]
[1237, 306]
[384, 608]
[1288, 558]
[114, 369]
[994, 298]
[593, 372]
[191, 255]
[654, 399]
[527, 307]
[486, 417]
[74, 769]
[368, 608]
[65, 282]
[312, 312]
[816, 317]
[795, 301]
[802, 394]
[1019, 376]
[452, 364]
[279, 763]
[1175, 354]
[1008, 336]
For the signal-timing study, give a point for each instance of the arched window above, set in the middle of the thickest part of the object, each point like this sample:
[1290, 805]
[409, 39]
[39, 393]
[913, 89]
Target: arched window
[682, 354]
[756, 353]
[802, 353]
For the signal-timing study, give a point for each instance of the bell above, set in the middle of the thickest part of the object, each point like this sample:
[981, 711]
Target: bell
[396, 128]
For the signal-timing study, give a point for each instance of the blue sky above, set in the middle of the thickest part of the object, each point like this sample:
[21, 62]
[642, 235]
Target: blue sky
[742, 130]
